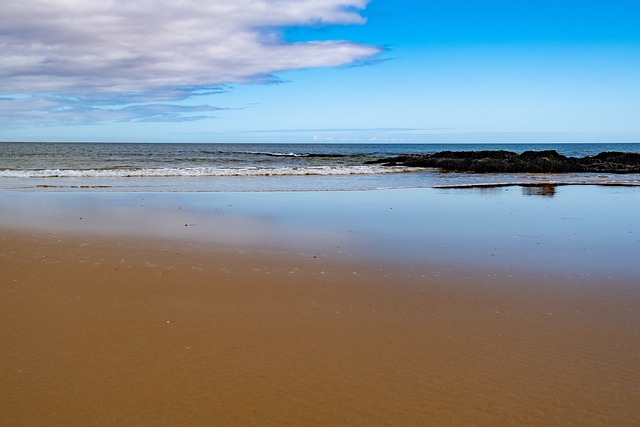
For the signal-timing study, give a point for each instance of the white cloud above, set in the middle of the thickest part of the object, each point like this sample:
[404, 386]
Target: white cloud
[119, 51]
[129, 46]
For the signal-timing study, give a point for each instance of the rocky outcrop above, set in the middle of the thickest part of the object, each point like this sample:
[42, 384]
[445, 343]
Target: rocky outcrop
[547, 161]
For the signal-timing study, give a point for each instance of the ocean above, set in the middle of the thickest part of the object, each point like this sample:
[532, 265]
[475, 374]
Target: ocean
[187, 167]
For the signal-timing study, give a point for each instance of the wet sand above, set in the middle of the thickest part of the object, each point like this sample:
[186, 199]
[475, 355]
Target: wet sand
[111, 331]
[371, 308]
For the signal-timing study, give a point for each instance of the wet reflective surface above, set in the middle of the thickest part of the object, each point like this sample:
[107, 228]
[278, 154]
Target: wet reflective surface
[570, 230]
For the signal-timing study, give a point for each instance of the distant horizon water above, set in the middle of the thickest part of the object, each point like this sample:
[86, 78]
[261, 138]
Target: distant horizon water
[352, 136]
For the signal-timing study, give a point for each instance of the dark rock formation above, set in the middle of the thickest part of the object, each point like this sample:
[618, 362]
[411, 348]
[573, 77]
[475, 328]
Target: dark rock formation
[548, 161]
[613, 161]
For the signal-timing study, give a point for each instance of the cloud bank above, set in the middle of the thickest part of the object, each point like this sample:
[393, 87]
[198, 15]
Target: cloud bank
[83, 60]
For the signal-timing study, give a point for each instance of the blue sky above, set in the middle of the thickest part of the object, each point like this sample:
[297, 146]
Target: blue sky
[321, 70]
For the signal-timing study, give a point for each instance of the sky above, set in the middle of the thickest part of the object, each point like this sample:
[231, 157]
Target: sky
[320, 71]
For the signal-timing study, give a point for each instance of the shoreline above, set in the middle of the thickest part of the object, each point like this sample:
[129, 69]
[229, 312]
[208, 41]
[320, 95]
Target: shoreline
[147, 331]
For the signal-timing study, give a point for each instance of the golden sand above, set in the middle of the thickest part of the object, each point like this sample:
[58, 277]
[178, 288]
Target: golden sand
[99, 331]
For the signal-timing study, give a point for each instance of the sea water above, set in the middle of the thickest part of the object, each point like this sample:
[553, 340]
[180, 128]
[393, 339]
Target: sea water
[308, 198]
[186, 167]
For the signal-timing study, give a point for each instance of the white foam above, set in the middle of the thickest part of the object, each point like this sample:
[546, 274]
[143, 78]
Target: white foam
[203, 172]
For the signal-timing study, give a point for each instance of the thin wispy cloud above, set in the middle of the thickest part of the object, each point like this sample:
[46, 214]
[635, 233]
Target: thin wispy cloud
[50, 110]
[66, 57]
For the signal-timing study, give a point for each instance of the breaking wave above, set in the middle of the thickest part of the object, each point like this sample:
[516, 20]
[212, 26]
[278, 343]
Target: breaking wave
[203, 172]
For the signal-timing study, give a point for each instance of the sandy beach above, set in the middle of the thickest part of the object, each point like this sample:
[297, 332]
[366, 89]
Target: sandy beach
[110, 328]
[322, 213]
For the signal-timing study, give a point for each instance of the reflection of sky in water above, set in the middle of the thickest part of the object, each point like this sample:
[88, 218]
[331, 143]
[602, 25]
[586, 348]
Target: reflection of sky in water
[580, 230]
[421, 179]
